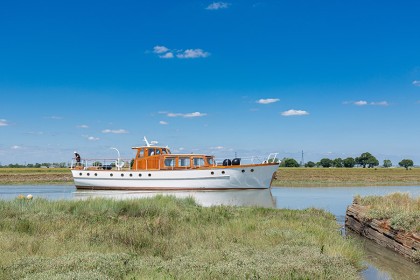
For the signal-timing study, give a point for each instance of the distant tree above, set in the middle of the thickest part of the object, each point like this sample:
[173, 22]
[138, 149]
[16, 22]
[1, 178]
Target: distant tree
[387, 163]
[97, 163]
[406, 163]
[289, 162]
[367, 159]
[338, 162]
[310, 164]
[349, 162]
[326, 162]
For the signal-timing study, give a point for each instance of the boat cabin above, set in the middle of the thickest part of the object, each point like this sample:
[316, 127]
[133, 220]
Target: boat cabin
[161, 158]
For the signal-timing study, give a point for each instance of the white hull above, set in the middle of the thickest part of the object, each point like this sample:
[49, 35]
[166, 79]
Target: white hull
[238, 177]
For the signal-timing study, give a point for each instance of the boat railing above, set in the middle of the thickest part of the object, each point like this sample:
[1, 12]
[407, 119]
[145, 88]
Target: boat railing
[271, 158]
[101, 164]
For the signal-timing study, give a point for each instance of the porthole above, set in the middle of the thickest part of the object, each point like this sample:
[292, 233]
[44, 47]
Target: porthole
[122, 175]
[223, 172]
[243, 170]
[212, 173]
[131, 175]
[111, 174]
[80, 174]
[88, 174]
[150, 175]
[96, 174]
[139, 174]
[252, 170]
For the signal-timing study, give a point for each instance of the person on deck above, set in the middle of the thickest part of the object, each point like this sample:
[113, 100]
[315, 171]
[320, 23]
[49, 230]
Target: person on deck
[77, 157]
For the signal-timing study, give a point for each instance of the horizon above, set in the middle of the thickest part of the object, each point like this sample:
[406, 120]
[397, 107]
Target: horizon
[225, 78]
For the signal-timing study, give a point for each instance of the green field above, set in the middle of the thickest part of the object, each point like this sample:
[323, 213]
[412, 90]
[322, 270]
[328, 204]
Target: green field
[314, 177]
[168, 238]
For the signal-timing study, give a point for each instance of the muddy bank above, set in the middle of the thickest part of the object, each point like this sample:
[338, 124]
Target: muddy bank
[380, 231]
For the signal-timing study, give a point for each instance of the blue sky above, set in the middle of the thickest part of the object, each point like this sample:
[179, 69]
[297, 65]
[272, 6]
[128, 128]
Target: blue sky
[331, 78]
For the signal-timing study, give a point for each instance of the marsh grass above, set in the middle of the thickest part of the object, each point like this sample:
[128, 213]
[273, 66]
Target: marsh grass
[168, 238]
[402, 210]
[322, 177]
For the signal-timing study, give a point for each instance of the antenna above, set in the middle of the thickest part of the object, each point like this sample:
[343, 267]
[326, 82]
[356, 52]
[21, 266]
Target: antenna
[147, 142]
[301, 161]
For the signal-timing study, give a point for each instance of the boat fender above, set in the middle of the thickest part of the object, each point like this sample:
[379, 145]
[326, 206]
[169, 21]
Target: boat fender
[227, 162]
[236, 161]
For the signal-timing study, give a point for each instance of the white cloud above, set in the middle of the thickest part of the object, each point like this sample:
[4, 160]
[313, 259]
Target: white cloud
[381, 103]
[163, 123]
[268, 100]
[83, 126]
[217, 6]
[167, 55]
[360, 103]
[115, 131]
[54, 118]
[187, 115]
[91, 138]
[16, 147]
[3, 122]
[293, 112]
[366, 103]
[193, 53]
[160, 49]
[218, 148]
[416, 83]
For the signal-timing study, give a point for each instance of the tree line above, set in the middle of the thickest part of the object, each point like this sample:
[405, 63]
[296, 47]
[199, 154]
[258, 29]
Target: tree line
[37, 165]
[365, 160]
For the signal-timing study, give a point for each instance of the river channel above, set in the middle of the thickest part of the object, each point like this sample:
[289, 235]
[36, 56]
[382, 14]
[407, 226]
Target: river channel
[381, 263]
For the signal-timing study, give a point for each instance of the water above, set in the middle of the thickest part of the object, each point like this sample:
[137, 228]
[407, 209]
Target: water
[381, 263]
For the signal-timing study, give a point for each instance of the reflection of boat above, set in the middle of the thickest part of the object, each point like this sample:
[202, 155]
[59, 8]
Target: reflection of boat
[156, 168]
[261, 198]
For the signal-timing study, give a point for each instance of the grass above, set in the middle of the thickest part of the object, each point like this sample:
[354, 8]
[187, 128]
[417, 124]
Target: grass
[168, 238]
[402, 211]
[313, 177]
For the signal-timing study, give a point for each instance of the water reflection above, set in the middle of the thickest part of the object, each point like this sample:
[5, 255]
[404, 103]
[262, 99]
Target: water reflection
[384, 263]
[261, 198]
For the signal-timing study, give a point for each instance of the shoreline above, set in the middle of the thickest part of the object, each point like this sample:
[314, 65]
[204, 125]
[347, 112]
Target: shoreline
[284, 177]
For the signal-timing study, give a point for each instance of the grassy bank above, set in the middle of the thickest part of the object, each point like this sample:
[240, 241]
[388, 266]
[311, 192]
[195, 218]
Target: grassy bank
[402, 211]
[168, 238]
[392, 221]
[312, 177]
[12, 176]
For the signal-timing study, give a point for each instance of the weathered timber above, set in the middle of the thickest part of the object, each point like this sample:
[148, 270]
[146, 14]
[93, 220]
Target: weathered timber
[380, 231]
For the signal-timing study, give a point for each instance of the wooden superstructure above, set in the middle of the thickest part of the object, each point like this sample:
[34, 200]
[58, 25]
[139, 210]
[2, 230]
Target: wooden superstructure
[161, 158]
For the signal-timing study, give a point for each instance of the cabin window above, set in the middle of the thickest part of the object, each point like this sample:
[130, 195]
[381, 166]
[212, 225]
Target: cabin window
[151, 151]
[170, 162]
[141, 153]
[184, 162]
[210, 161]
[166, 151]
[158, 151]
[198, 161]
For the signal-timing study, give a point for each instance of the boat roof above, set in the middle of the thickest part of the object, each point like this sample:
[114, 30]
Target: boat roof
[140, 147]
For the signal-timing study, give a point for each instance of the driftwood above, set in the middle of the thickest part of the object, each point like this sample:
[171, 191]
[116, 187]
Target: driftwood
[380, 231]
